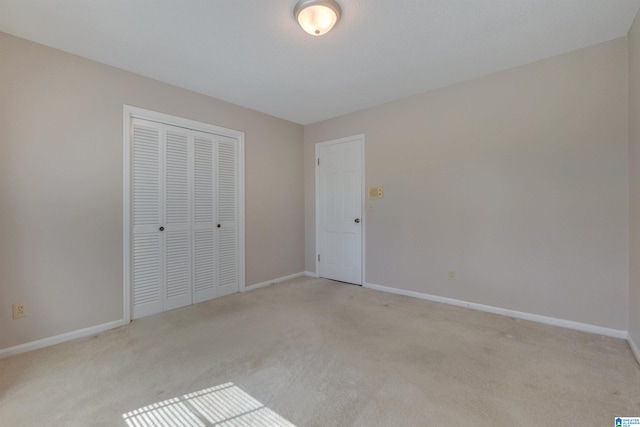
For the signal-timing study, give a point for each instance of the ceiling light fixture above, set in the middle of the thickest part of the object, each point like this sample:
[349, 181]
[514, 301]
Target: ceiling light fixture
[317, 17]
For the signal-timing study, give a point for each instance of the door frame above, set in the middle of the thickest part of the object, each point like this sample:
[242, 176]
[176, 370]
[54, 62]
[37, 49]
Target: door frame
[129, 113]
[361, 138]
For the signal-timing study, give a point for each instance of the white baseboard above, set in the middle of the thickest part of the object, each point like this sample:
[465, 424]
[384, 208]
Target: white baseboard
[585, 327]
[273, 282]
[57, 339]
[311, 274]
[634, 347]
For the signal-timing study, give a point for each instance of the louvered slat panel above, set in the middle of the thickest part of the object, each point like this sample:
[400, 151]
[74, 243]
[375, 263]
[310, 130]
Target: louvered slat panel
[204, 260]
[146, 175]
[227, 152]
[146, 269]
[177, 279]
[227, 216]
[228, 258]
[177, 264]
[203, 180]
[205, 279]
[146, 249]
[177, 179]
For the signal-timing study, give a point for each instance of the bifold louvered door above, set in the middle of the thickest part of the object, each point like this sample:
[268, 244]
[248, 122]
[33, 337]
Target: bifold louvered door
[185, 217]
[227, 206]
[177, 219]
[204, 226]
[146, 217]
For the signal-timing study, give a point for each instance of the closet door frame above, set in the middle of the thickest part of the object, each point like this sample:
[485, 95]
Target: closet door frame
[129, 113]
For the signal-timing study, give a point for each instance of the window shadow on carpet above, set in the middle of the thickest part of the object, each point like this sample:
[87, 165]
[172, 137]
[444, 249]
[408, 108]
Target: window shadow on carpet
[226, 405]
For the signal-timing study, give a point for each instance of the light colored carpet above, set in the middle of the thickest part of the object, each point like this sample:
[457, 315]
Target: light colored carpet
[320, 353]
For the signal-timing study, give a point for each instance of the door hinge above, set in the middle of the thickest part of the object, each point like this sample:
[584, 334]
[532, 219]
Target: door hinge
[318, 161]
[318, 257]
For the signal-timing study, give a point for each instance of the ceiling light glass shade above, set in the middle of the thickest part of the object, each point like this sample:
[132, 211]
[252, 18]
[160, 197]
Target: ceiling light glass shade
[317, 17]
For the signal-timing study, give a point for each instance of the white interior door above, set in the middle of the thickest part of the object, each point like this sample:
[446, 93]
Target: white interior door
[340, 210]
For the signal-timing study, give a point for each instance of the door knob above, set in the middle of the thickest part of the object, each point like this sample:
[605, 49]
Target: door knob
[357, 220]
[161, 229]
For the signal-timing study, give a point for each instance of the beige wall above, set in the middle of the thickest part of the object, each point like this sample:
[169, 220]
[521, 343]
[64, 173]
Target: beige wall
[518, 181]
[634, 181]
[61, 186]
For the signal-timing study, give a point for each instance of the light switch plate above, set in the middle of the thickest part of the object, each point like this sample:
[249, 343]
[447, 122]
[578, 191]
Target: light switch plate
[376, 192]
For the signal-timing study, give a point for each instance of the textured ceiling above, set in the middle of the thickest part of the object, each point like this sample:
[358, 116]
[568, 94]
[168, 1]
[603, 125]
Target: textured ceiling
[253, 53]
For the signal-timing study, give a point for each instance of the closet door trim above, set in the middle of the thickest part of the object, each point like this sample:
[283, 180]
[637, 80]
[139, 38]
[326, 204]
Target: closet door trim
[130, 113]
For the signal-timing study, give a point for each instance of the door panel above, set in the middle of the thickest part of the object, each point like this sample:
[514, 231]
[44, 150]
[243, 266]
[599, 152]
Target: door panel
[204, 225]
[177, 223]
[146, 217]
[227, 216]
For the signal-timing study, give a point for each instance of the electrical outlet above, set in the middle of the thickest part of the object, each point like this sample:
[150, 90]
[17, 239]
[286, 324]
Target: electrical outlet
[19, 310]
[452, 275]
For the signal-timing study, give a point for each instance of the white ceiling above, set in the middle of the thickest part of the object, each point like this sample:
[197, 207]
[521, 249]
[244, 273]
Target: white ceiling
[253, 53]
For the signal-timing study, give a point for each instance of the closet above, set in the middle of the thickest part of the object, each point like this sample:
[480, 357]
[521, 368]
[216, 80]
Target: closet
[184, 216]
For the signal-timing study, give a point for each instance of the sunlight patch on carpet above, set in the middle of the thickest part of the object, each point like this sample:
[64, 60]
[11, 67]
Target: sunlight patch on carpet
[226, 405]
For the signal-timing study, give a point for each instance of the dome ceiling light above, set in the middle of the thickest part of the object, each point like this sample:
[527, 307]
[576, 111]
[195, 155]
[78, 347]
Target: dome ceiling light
[317, 17]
